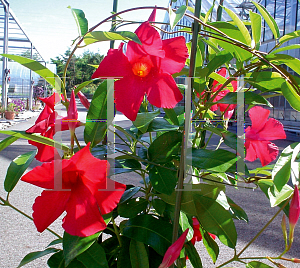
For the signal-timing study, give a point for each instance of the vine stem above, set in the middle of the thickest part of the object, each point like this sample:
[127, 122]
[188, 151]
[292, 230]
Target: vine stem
[6, 203]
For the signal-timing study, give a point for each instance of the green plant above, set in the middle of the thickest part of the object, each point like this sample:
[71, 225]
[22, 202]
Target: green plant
[10, 107]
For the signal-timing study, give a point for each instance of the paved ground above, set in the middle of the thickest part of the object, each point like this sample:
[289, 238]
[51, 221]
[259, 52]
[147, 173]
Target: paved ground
[18, 235]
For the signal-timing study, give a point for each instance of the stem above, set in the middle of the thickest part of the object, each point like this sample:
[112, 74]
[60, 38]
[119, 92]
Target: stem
[117, 232]
[6, 203]
[77, 142]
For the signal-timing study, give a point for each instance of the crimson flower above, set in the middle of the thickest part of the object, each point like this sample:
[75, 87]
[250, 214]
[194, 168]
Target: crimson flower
[197, 234]
[173, 251]
[83, 195]
[222, 106]
[294, 208]
[47, 124]
[258, 136]
[145, 69]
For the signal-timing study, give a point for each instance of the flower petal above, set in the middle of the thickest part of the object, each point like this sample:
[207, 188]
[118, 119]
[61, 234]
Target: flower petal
[266, 151]
[272, 130]
[83, 215]
[48, 207]
[129, 94]
[151, 43]
[115, 64]
[52, 100]
[250, 151]
[176, 55]
[259, 117]
[163, 91]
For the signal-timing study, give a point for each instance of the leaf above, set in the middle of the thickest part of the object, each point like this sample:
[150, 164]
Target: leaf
[268, 18]
[96, 119]
[210, 245]
[291, 95]
[219, 160]
[16, 169]
[161, 124]
[288, 60]
[255, 27]
[138, 254]
[165, 147]
[35, 255]
[163, 180]
[94, 257]
[289, 36]
[176, 16]
[129, 193]
[220, 59]
[185, 224]
[99, 36]
[171, 114]
[36, 138]
[285, 48]
[276, 197]
[75, 245]
[55, 242]
[144, 119]
[84, 84]
[159, 205]
[38, 68]
[151, 231]
[216, 220]
[282, 169]
[236, 211]
[124, 254]
[6, 142]
[81, 21]
[257, 264]
[57, 260]
[237, 21]
[132, 207]
[193, 255]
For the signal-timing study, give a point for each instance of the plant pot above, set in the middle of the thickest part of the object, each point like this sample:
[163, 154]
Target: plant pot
[9, 115]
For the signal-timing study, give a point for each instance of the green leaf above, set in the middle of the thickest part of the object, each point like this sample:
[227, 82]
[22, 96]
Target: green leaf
[288, 60]
[124, 254]
[55, 242]
[81, 21]
[151, 231]
[237, 21]
[236, 211]
[255, 27]
[129, 193]
[144, 119]
[291, 95]
[75, 245]
[132, 207]
[36, 138]
[165, 147]
[220, 59]
[163, 180]
[210, 245]
[289, 36]
[268, 18]
[96, 125]
[176, 16]
[193, 255]
[84, 84]
[161, 124]
[99, 36]
[285, 48]
[257, 264]
[276, 197]
[38, 68]
[159, 205]
[6, 142]
[216, 220]
[125, 165]
[219, 160]
[94, 257]
[185, 224]
[57, 260]
[282, 169]
[138, 254]
[16, 169]
[171, 114]
[35, 255]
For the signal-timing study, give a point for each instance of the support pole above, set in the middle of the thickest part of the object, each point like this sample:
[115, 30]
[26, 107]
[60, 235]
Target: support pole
[30, 83]
[113, 23]
[5, 51]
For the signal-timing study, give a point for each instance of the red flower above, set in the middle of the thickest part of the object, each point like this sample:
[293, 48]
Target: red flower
[222, 106]
[173, 251]
[84, 203]
[258, 136]
[145, 69]
[83, 100]
[47, 124]
[197, 234]
[72, 113]
[294, 208]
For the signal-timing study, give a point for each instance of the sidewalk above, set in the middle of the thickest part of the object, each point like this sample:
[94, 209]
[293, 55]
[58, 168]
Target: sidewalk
[21, 117]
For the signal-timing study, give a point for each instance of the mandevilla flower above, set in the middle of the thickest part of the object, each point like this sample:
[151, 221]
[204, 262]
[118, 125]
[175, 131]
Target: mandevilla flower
[222, 106]
[294, 212]
[83, 195]
[258, 136]
[197, 234]
[173, 251]
[83, 100]
[145, 69]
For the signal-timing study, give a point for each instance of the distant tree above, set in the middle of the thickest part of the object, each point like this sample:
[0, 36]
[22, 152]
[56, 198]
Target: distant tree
[27, 54]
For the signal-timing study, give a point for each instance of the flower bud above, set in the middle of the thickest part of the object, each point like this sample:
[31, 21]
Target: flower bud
[294, 208]
[295, 260]
[83, 100]
[72, 112]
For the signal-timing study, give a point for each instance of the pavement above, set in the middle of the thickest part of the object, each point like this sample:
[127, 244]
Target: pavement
[21, 117]
[18, 235]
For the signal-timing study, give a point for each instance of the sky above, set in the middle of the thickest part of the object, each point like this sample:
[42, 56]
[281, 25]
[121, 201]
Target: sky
[51, 27]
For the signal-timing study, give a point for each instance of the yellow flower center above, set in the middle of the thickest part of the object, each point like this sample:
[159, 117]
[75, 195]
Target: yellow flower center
[141, 69]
